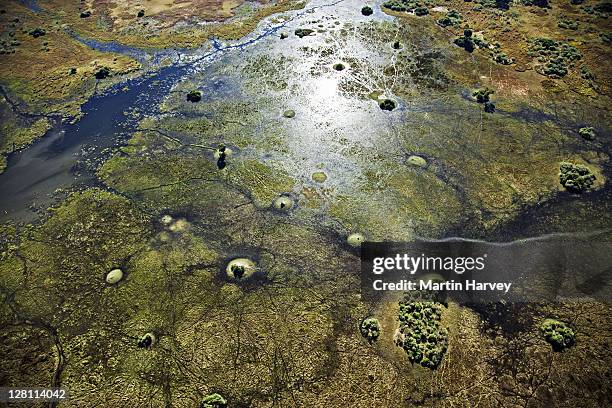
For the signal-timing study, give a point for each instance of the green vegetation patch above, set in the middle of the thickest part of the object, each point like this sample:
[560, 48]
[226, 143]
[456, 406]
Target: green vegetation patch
[415, 6]
[558, 334]
[587, 133]
[213, 401]
[194, 96]
[367, 11]
[421, 334]
[468, 42]
[370, 329]
[482, 95]
[452, 18]
[303, 32]
[556, 57]
[576, 178]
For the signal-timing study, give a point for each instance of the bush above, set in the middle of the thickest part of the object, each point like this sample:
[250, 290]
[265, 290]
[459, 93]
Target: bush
[489, 107]
[141, 13]
[85, 14]
[452, 18]
[558, 334]
[194, 96]
[465, 42]
[147, 341]
[102, 73]
[407, 5]
[420, 333]
[303, 32]
[468, 42]
[213, 401]
[538, 3]
[587, 133]
[367, 11]
[221, 164]
[482, 95]
[37, 32]
[387, 104]
[502, 58]
[576, 178]
[568, 24]
[370, 329]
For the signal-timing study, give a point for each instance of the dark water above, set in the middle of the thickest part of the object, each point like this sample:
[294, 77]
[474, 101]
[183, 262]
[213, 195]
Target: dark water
[34, 173]
[32, 5]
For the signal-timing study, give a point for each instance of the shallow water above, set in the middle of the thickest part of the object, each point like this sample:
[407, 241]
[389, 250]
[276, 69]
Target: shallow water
[35, 173]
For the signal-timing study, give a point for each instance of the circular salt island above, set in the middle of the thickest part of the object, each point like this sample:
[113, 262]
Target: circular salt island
[319, 176]
[166, 219]
[289, 113]
[283, 203]
[240, 268]
[180, 225]
[355, 239]
[417, 161]
[114, 276]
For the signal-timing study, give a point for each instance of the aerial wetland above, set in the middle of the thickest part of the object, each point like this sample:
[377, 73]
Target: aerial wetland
[185, 187]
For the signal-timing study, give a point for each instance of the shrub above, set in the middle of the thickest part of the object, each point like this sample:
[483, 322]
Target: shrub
[85, 14]
[482, 95]
[407, 5]
[370, 329]
[576, 178]
[37, 32]
[538, 3]
[489, 107]
[213, 401]
[586, 74]
[502, 58]
[465, 42]
[146, 341]
[141, 13]
[194, 96]
[221, 164]
[367, 11]
[587, 133]
[452, 18]
[468, 41]
[387, 104]
[303, 32]
[558, 334]
[102, 73]
[568, 24]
